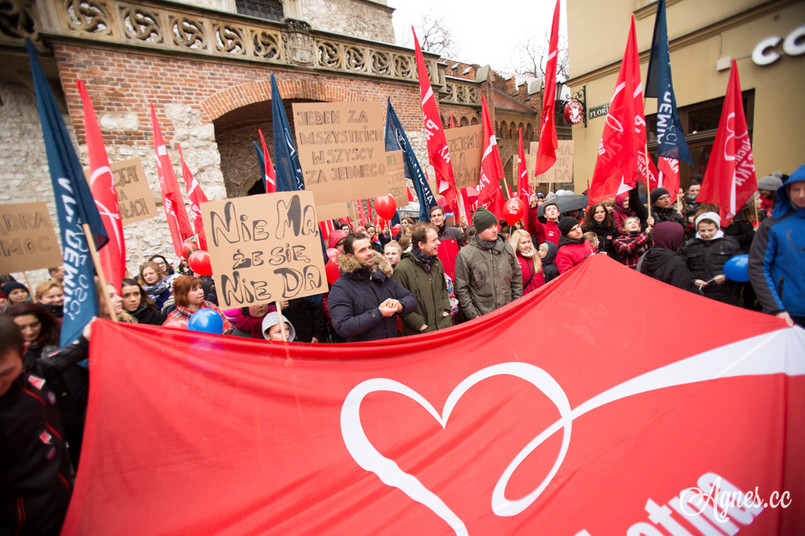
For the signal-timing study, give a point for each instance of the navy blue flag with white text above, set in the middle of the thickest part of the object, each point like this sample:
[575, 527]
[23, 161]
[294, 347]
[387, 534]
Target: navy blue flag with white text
[396, 140]
[286, 159]
[261, 162]
[75, 206]
[670, 135]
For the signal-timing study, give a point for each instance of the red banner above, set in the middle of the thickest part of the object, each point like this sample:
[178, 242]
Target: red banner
[621, 153]
[172, 201]
[467, 430]
[102, 184]
[438, 150]
[730, 178]
[548, 140]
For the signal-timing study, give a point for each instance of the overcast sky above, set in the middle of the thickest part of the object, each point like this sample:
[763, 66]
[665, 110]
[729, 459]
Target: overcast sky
[482, 35]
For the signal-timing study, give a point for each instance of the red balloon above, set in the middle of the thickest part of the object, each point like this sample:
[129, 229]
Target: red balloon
[513, 211]
[385, 206]
[188, 247]
[332, 270]
[199, 262]
[396, 229]
[332, 253]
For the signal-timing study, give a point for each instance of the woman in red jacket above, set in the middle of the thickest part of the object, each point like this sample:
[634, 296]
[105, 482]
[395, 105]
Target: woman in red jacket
[530, 262]
[573, 248]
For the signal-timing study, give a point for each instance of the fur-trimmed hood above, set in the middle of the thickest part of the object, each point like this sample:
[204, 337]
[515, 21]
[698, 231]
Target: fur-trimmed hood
[350, 265]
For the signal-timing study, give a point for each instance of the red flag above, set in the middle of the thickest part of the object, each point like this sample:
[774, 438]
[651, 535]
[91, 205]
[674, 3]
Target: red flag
[438, 151]
[452, 121]
[178, 223]
[668, 174]
[361, 213]
[524, 190]
[408, 191]
[489, 192]
[369, 215]
[102, 184]
[730, 177]
[196, 196]
[548, 142]
[621, 154]
[269, 177]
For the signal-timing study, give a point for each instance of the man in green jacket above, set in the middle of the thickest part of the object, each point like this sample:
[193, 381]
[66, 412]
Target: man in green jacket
[488, 274]
[422, 273]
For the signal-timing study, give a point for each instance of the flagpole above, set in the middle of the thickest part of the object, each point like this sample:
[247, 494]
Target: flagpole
[30, 288]
[94, 252]
[282, 322]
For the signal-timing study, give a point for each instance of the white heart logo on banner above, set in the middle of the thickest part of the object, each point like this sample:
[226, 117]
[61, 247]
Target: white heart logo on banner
[761, 355]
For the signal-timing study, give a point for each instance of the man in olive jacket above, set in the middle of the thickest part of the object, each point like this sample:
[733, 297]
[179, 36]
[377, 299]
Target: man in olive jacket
[421, 272]
[487, 272]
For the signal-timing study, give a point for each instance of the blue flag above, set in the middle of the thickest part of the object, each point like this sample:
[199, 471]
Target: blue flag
[75, 206]
[286, 159]
[396, 139]
[670, 135]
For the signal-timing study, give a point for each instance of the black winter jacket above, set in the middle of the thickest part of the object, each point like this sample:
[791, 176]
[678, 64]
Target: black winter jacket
[668, 267]
[354, 299]
[706, 260]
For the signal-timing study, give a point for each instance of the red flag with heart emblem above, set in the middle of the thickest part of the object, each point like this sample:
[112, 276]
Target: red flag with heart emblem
[196, 196]
[730, 178]
[489, 193]
[548, 140]
[172, 201]
[438, 151]
[634, 435]
[102, 184]
[621, 153]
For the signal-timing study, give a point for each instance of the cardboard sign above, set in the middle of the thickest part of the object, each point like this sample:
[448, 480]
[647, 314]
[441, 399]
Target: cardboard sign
[264, 248]
[27, 239]
[561, 171]
[134, 197]
[395, 177]
[342, 151]
[466, 148]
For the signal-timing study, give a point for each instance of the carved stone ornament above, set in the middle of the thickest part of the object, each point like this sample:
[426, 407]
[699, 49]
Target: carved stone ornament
[300, 47]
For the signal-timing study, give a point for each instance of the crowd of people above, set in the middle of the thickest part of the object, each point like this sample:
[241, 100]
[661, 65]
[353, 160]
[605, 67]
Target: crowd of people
[428, 277]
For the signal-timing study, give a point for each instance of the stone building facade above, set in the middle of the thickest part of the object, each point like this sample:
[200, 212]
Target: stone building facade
[205, 67]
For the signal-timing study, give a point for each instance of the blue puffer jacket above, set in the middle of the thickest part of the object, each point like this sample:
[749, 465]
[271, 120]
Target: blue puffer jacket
[777, 257]
[354, 299]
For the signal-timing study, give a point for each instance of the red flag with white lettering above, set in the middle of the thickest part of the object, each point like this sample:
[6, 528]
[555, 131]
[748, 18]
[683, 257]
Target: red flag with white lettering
[730, 177]
[172, 201]
[621, 153]
[102, 184]
[438, 151]
[196, 197]
[489, 192]
[548, 141]
[269, 176]
[524, 189]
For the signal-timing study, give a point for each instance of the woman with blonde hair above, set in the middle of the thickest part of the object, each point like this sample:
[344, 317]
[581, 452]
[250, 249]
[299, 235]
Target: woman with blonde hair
[530, 262]
[154, 281]
[50, 295]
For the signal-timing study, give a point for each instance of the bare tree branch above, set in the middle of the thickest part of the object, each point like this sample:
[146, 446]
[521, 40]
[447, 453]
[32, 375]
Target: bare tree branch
[533, 58]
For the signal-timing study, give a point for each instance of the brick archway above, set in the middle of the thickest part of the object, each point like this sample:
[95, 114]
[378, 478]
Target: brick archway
[238, 96]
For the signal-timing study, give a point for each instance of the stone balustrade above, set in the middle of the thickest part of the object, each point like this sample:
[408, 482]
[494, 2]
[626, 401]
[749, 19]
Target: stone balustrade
[182, 29]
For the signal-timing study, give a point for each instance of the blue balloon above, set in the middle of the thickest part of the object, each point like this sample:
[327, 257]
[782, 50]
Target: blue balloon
[206, 321]
[737, 268]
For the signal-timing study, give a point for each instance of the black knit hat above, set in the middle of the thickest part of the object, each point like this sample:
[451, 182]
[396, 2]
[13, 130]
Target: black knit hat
[566, 224]
[483, 220]
[12, 285]
[657, 193]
